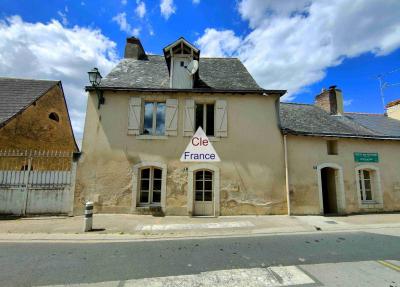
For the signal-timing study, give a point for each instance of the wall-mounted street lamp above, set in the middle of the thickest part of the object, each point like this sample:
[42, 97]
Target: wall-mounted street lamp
[95, 80]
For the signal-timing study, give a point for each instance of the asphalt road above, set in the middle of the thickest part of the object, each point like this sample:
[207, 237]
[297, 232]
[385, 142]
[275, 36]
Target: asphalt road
[32, 264]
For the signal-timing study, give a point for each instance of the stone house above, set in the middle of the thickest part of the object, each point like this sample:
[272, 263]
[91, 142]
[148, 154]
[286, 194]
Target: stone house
[34, 116]
[275, 158]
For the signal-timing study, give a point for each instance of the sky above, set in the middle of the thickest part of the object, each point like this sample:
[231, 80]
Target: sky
[300, 46]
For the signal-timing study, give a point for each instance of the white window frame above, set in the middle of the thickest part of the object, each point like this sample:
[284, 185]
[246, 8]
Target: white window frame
[136, 184]
[376, 188]
[361, 182]
[151, 187]
[154, 119]
[204, 116]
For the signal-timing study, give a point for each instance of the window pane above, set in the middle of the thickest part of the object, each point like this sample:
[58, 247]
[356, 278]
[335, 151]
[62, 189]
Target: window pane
[367, 184]
[210, 120]
[144, 197]
[361, 189]
[148, 118]
[144, 184]
[157, 184]
[156, 196]
[366, 174]
[160, 121]
[199, 175]
[157, 173]
[199, 196]
[208, 185]
[199, 116]
[199, 185]
[207, 174]
[368, 194]
[145, 173]
[207, 196]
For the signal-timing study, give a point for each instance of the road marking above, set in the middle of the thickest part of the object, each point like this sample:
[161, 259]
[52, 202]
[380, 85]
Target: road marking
[188, 226]
[390, 265]
[255, 277]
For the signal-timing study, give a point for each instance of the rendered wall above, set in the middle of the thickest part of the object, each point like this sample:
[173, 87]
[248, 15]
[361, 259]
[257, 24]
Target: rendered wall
[251, 171]
[306, 153]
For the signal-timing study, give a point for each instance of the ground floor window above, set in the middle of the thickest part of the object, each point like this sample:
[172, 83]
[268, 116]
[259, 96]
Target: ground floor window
[365, 184]
[150, 186]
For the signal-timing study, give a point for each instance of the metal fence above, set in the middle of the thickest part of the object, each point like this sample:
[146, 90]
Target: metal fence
[36, 181]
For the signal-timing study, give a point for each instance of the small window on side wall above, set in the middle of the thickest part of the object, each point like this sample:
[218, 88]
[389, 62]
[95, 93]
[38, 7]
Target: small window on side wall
[332, 147]
[54, 116]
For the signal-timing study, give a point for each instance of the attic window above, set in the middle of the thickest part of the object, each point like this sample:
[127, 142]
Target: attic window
[53, 116]
[332, 147]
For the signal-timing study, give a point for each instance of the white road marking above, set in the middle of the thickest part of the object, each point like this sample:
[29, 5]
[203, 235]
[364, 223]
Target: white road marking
[188, 226]
[255, 277]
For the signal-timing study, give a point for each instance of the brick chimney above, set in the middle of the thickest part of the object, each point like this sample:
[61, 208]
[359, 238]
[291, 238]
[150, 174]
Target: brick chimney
[134, 49]
[331, 100]
[393, 110]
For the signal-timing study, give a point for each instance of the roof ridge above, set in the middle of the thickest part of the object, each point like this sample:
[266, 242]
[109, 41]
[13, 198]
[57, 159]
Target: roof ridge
[364, 113]
[29, 79]
[302, 104]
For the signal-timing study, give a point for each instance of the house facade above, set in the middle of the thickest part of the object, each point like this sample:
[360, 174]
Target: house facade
[274, 157]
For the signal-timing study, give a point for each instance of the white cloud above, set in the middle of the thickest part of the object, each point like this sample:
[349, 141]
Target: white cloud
[195, 1]
[292, 43]
[51, 51]
[124, 2]
[140, 9]
[167, 8]
[218, 43]
[124, 26]
[63, 17]
[347, 102]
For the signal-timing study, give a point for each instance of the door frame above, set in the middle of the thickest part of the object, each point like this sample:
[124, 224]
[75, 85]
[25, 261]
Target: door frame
[340, 194]
[216, 182]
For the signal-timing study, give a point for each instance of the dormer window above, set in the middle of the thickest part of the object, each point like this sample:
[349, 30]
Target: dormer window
[180, 57]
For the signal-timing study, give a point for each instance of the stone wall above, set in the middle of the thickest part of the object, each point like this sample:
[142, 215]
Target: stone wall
[33, 130]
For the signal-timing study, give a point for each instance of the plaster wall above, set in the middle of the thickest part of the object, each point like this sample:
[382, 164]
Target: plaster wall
[306, 153]
[251, 168]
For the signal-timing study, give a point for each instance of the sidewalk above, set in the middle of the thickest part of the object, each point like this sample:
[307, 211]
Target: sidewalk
[132, 227]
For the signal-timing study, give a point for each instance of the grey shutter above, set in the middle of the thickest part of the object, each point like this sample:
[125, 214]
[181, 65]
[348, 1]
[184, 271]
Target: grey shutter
[134, 117]
[221, 119]
[171, 117]
[188, 124]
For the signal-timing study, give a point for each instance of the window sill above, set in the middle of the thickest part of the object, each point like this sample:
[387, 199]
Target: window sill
[150, 137]
[371, 204]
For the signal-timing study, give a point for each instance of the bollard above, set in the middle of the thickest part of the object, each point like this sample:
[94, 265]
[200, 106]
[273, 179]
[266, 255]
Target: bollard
[88, 216]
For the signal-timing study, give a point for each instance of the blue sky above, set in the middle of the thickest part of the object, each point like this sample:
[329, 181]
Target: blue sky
[299, 45]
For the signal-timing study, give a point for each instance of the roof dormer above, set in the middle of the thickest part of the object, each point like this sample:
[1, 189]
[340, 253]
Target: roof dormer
[182, 60]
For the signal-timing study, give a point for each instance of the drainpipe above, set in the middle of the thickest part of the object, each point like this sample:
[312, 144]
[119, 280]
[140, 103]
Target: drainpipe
[286, 174]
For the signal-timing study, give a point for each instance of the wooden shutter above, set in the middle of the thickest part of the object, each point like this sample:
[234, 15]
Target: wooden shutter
[134, 117]
[188, 124]
[171, 117]
[221, 119]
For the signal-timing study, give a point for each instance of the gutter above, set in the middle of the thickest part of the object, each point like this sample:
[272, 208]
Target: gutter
[286, 132]
[200, 90]
[287, 175]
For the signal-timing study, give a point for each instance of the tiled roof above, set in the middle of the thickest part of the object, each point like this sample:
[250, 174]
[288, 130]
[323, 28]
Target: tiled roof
[215, 73]
[305, 119]
[17, 94]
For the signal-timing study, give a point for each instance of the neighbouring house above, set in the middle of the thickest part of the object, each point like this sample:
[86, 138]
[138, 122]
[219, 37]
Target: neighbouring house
[34, 116]
[37, 145]
[275, 157]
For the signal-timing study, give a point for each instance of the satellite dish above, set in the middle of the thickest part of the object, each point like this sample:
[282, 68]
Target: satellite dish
[193, 67]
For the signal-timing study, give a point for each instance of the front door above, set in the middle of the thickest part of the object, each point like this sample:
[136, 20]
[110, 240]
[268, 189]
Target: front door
[204, 196]
[328, 180]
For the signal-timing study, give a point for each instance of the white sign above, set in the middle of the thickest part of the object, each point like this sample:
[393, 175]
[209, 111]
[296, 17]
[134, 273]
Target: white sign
[200, 149]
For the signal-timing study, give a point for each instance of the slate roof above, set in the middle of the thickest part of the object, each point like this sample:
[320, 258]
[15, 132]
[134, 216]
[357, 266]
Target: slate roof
[17, 94]
[227, 74]
[306, 119]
